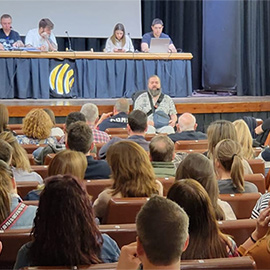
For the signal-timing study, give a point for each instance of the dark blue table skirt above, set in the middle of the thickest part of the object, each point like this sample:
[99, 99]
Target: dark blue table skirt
[90, 78]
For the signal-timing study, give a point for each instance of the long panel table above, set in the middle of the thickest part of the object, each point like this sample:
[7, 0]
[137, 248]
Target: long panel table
[42, 75]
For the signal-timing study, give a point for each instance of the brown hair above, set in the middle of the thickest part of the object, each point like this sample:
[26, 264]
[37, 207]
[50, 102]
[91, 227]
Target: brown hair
[19, 158]
[43, 23]
[68, 162]
[228, 153]
[119, 26]
[5, 151]
[37, 124]
[132, 171]
[200, 168]
[4, 118]
[51, 114]
[205, 239]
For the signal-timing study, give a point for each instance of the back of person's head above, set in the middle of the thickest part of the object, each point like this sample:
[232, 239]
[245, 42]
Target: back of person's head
[5, 151]
[5, 190]
[80, 137]
[244, 138]
[162, 228]
[161, 148]
[205, 239]
[74, 117]
[90, 112]
[157, 21]
[19, 157]
[122, 105]
[229, 155]
[200, 168]
[46, 23]
[68, 162]
[187, 122]
[37, 124]
[137, 121]
[4, 118]
[64, 229]
[218, 131]
[132, 171]
[51, 114]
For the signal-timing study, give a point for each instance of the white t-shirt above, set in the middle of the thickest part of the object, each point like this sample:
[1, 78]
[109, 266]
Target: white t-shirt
[127, 47]
[34, 39]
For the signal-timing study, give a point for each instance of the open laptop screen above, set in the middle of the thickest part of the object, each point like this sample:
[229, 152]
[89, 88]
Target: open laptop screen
[159, 45]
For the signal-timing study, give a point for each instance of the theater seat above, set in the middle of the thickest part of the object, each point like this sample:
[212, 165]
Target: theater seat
[123, 210]
[113, 131]
[257, 165]
[41, 170]
[23, 187]
[191, 144]
[239, 229]
[30, 148]
[94, 187]
[166, 182]
[257, 179]
[242, 204]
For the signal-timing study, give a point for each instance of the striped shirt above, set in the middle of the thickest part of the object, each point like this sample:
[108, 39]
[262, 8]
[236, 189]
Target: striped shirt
[261, 204]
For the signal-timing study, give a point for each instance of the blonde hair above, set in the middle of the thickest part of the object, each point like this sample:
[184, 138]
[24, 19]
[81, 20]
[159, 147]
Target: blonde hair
[5, 190]
[217, 131]
[4, 118]
[229, 154]
[132, 171]
[244, 138]
[37, 124]
[68, 162]
[19, 158]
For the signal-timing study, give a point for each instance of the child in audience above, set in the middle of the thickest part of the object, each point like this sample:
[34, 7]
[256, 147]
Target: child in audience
[229, 167]
[132, 173]
[205, 239]
[64, 231]
[200, 168]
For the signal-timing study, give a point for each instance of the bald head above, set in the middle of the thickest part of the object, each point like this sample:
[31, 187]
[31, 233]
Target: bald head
[187, 122]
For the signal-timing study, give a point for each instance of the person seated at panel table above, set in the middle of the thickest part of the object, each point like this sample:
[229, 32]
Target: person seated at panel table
[42, 37]
[157, 27]
[8, 37]
[119, 41]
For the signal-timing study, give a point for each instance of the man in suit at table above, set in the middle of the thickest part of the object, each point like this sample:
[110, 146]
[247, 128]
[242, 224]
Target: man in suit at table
[186, 129]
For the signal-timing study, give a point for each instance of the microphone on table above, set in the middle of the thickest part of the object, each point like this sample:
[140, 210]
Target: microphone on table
[69, 42]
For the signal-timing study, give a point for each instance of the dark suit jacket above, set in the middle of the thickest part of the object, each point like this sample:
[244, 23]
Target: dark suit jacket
[187, 135]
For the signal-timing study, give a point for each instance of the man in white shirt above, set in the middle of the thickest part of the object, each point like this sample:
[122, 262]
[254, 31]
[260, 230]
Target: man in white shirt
[42, 37]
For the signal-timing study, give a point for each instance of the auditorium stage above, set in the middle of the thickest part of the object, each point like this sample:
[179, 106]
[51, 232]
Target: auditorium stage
[197, 104]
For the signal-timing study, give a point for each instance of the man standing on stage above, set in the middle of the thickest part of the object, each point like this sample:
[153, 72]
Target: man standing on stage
[8, 37]
[157, 27]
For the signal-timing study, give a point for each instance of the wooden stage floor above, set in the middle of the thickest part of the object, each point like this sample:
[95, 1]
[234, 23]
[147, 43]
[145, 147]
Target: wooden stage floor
[198, 104]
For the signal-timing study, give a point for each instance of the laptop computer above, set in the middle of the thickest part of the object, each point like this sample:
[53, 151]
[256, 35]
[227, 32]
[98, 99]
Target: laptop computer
[159, 45]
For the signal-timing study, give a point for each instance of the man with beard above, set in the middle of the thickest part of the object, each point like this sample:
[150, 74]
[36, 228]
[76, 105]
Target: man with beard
[161, 103]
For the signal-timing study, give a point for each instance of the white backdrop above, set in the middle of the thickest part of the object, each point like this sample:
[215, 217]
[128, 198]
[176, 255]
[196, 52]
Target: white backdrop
[88, 18]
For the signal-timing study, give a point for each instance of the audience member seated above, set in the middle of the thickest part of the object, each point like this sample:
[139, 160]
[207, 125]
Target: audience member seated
[80, 138]
[229, 168]
[55, 131]
[257, 245]
[132, 174]
[4, 118]
[205, 239]
[262, 131]
[218, 131]
[136, 127]
[90, 112]
[186, 129]
[37, 127]
[42, 38]
[20, 163]
[261, 204]
[64, 162]
[200, 168]
[162, 228]
[161, 155]
[116, 119]
[119, 41]
[14, 214]
[244, 138]
[64, 232]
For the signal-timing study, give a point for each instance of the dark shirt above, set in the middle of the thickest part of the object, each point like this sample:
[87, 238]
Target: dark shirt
[119, 120]
[147, 37]
[187, 135]
[9, 40]
[97, 169]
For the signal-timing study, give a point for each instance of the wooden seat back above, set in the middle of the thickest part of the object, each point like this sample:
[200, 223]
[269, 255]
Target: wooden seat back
[113, 131]
[257, 179]
[123, 210]
[239, 229]
[30, 148]
[49, 158]
[191, 144]
[242, 204]
[94, 187]
[166, 182]
[23, 187]
[42, 170]
[31, 159]
[257, 165]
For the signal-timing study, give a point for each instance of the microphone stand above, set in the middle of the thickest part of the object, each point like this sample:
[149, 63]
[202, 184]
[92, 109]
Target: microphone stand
[69, 42]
